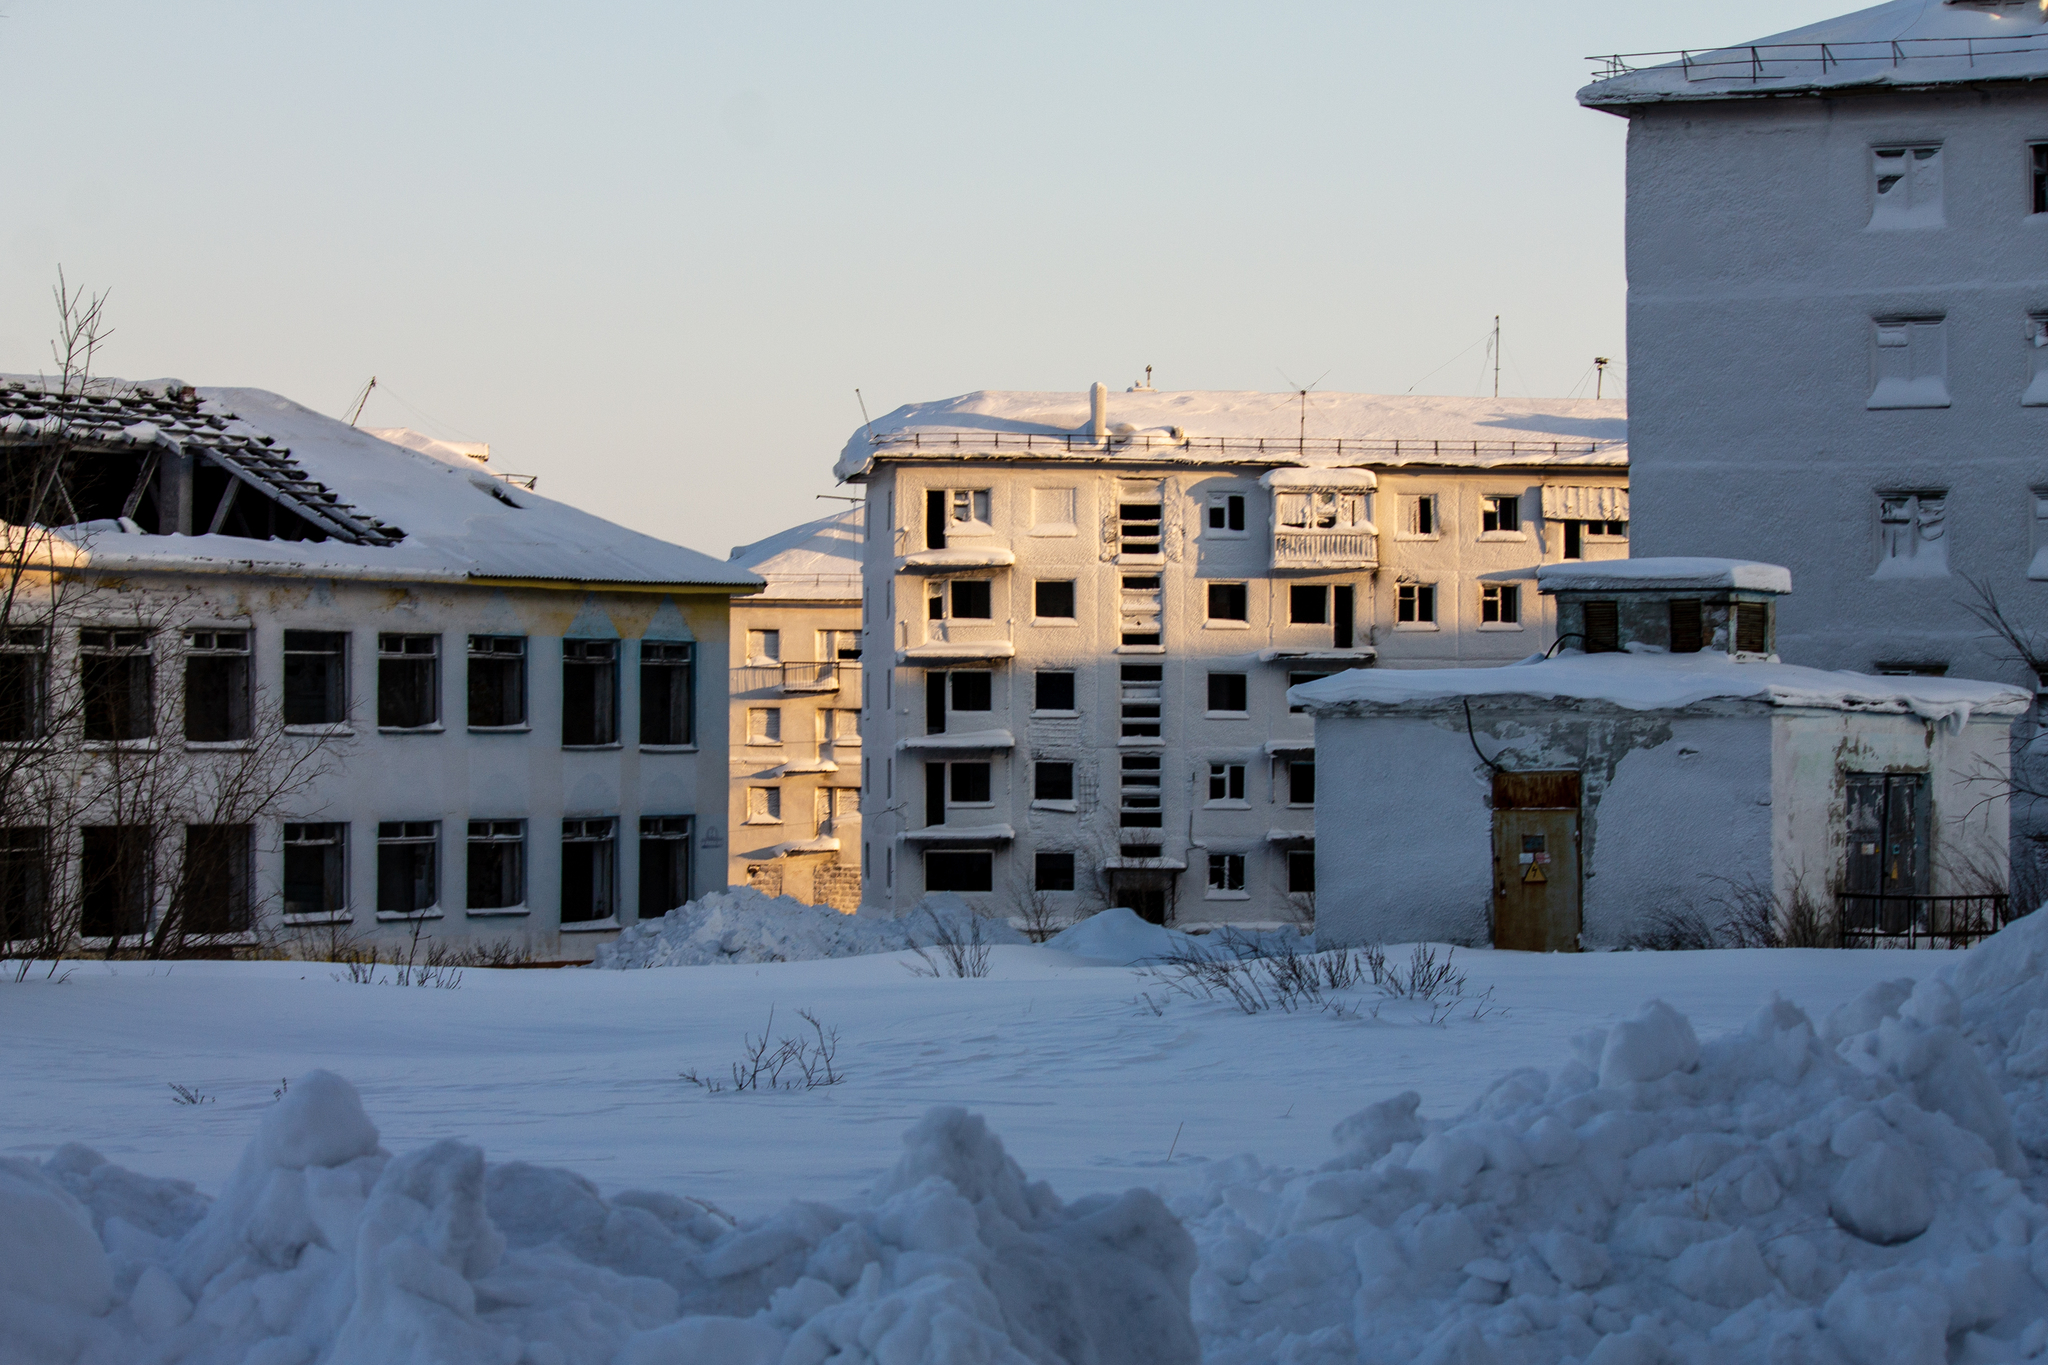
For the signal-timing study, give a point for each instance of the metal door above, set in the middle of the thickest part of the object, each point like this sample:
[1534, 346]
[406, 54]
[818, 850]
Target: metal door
[1888, 853]
[1536, 862]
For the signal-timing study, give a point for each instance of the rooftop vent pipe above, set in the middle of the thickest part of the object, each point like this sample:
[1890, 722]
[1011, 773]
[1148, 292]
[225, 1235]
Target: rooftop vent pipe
[1098, 410]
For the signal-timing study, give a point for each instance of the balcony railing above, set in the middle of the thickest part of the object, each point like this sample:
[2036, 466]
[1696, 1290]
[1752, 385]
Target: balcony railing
[811, 677]
[1876, 920]
[1325, 550]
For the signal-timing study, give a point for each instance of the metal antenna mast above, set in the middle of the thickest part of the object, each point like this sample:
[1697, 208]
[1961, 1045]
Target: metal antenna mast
[361, 399]
[1496, 355]
[1599, 373]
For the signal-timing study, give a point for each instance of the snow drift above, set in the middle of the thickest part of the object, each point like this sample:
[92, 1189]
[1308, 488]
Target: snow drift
[325, 1247]
[741, 924]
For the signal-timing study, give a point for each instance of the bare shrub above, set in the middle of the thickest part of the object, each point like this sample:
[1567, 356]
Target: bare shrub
[953, 951]
[1270, 974]
[186, 1094]
[1673, 929]
[798, 1061]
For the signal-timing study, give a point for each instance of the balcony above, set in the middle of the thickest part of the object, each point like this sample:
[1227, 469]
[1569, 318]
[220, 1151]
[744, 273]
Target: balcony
[1294, 548]
[812, 677]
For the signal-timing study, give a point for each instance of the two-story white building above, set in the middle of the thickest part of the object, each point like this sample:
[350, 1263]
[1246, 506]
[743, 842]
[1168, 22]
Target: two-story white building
[509, 714]
[1083, 613]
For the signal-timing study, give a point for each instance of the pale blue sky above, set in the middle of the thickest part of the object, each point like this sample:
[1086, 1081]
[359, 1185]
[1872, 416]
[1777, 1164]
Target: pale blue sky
[649, 250]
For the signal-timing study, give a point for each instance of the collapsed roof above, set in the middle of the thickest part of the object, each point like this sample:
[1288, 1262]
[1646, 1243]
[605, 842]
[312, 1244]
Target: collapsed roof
[160, 475]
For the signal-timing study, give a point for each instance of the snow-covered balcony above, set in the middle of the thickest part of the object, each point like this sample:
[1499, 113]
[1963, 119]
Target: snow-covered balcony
[1322, 519]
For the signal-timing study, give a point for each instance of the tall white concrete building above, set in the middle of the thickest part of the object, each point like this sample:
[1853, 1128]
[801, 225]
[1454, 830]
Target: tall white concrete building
[1083, 612]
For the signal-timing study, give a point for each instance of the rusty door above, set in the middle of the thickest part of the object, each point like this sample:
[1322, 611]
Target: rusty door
[1536, 862]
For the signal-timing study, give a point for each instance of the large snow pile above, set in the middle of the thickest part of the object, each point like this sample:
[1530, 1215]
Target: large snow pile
[1846, 1193]
[741, 924]
[325, 1247]
[1118, 935]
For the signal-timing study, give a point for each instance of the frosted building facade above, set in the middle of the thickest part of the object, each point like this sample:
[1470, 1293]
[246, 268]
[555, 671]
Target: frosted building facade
[796, 715]
[1083, 613]
[506, 715]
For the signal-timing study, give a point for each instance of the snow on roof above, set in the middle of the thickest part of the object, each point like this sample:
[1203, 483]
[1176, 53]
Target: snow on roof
[449, 452]
[425, 519]
[1904, 44]
[1318, 478]
[1338, 430]
[819, 559]
[1644, 680]
[1670, 574]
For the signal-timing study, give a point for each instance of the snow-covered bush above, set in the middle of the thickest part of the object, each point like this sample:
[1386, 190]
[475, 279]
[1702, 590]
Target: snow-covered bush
[741, 924]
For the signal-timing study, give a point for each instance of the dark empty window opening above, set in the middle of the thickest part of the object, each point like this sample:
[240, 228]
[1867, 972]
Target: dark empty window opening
[1226, 781]
[497, 681]
[1415, 604]
[935, 519]
[1141, 608]
[315, 677]
[1226, 512]
[974, 689]
[1301, 782]
[408, 681]
[664, 864]
[24, 883]
[1141, 795]
[973, 599]
[1342, 611]
[1574, 540]
[1910, 668]
[216, 685]
[1500, 604]
[935, 702]
[497, 864]
[1142, 687]
[962, 869]
[590, 695]
[1603, 627]
[1053, 599]
[116, 875]
[1687, 637]
[971, 783]
[408, 866]
[2040, 157]
[1228, 602]
[1295, 680]
[1308, 604]
[1053, 872]
[934, 792]
[1140, 850]
[1752, 628]
[1053, 692]
[1140, 527]
[315, 870]
[668, 692]
[1500, 514]
[1226, 872]
[1227, 692]
[215, 886]
[1052, 781]
[1422, 515]
[944, 507]
[589, 864]
[1301, 872]
[24, 683]
[117, 678]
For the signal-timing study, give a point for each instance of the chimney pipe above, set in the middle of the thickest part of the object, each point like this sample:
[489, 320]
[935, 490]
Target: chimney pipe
[1098, 410]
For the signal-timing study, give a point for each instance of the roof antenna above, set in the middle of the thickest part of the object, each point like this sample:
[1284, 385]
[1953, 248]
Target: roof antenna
[1599, 373]
[1302, 435]
[361, 399]
[1496, 355]
[865, 423]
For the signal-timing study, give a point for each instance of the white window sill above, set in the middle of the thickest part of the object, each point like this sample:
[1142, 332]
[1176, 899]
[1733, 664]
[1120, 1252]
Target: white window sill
[1226, 715]
[435, 729]
[591, 926]
[844, 742]
[1055, 715]
[330, 730]
[592, 748]
[1139, 649]
[668, 748]
[431, 912]
[1500, 625]
[493, 911]
[1301, 805]
[971, 806]
[1213, 895]
[1141, 742]
[1417, 535]
[1068, 806]
[769, 823]
[1219, 623]
[1226, 805]
[1416, 625]
[215, 746]
[1487, 537]
[763, 744]
[108, 746]
[334, 917]
[501, 729]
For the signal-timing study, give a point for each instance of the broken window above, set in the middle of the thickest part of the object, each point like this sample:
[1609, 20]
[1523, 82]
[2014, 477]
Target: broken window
[961, 869]
[1421, 515]
[1688, 634]
[1052, 871]
[1140, 528]
[971, 784]
[1308, 604]
[1139, 795]
[1499, 514]
[1053, 691]
[974, 689]
[1906, 186]
[1322, 509]
[1226, 872]
[664, 864]
[1226, 514]
[24, 882]
[590, 693]
[1500, 604]
[973, 599]
[1227, 692]
[408, 866]
[955, 511]
[1603, 626]
[837, 645]
[497, 681]
[1909, 363]
[316, 869]
[1229, 602]
[764, 725]
[1301, 872]
[24, 683]
[1141, 696]
[1415, 604]
[408, 681]
[668, 692]
[1140, 610]
[497, 864]
[1053, 599]
[1911, 534]
[1301, 782]
[116, 872]
[315, 677]
[1226, 781]
[934, 793]
[1052, 781]
[764, 805]
[216, 685]
[117, 677]
[588, 868]
[215, 891]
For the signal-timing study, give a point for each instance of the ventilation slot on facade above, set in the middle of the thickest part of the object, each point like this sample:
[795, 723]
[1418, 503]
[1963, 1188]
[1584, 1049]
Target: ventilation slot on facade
[1752, 628]
[1603, 627]
[1143, 688]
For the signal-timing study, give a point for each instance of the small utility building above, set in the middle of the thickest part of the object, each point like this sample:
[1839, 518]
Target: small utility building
[1665, 758]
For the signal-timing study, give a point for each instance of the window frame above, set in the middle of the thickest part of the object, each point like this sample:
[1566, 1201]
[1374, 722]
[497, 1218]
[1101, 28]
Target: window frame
[333, 875]
[1237, 597]
[131, 652]
[494, 837]
[1500, 606]
[662, 663]
[1500, 517]
[598, 657]
[1242, 689]
[1228, 787]
[515, 693]
[421, 835]
[1038, 613]
[1226, 516]
[24, 689]
[1226, 879]
[1061, 770]
[390, 658]
[334, 688]
[1073, 706]
[1415, 606]
[600, 834]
